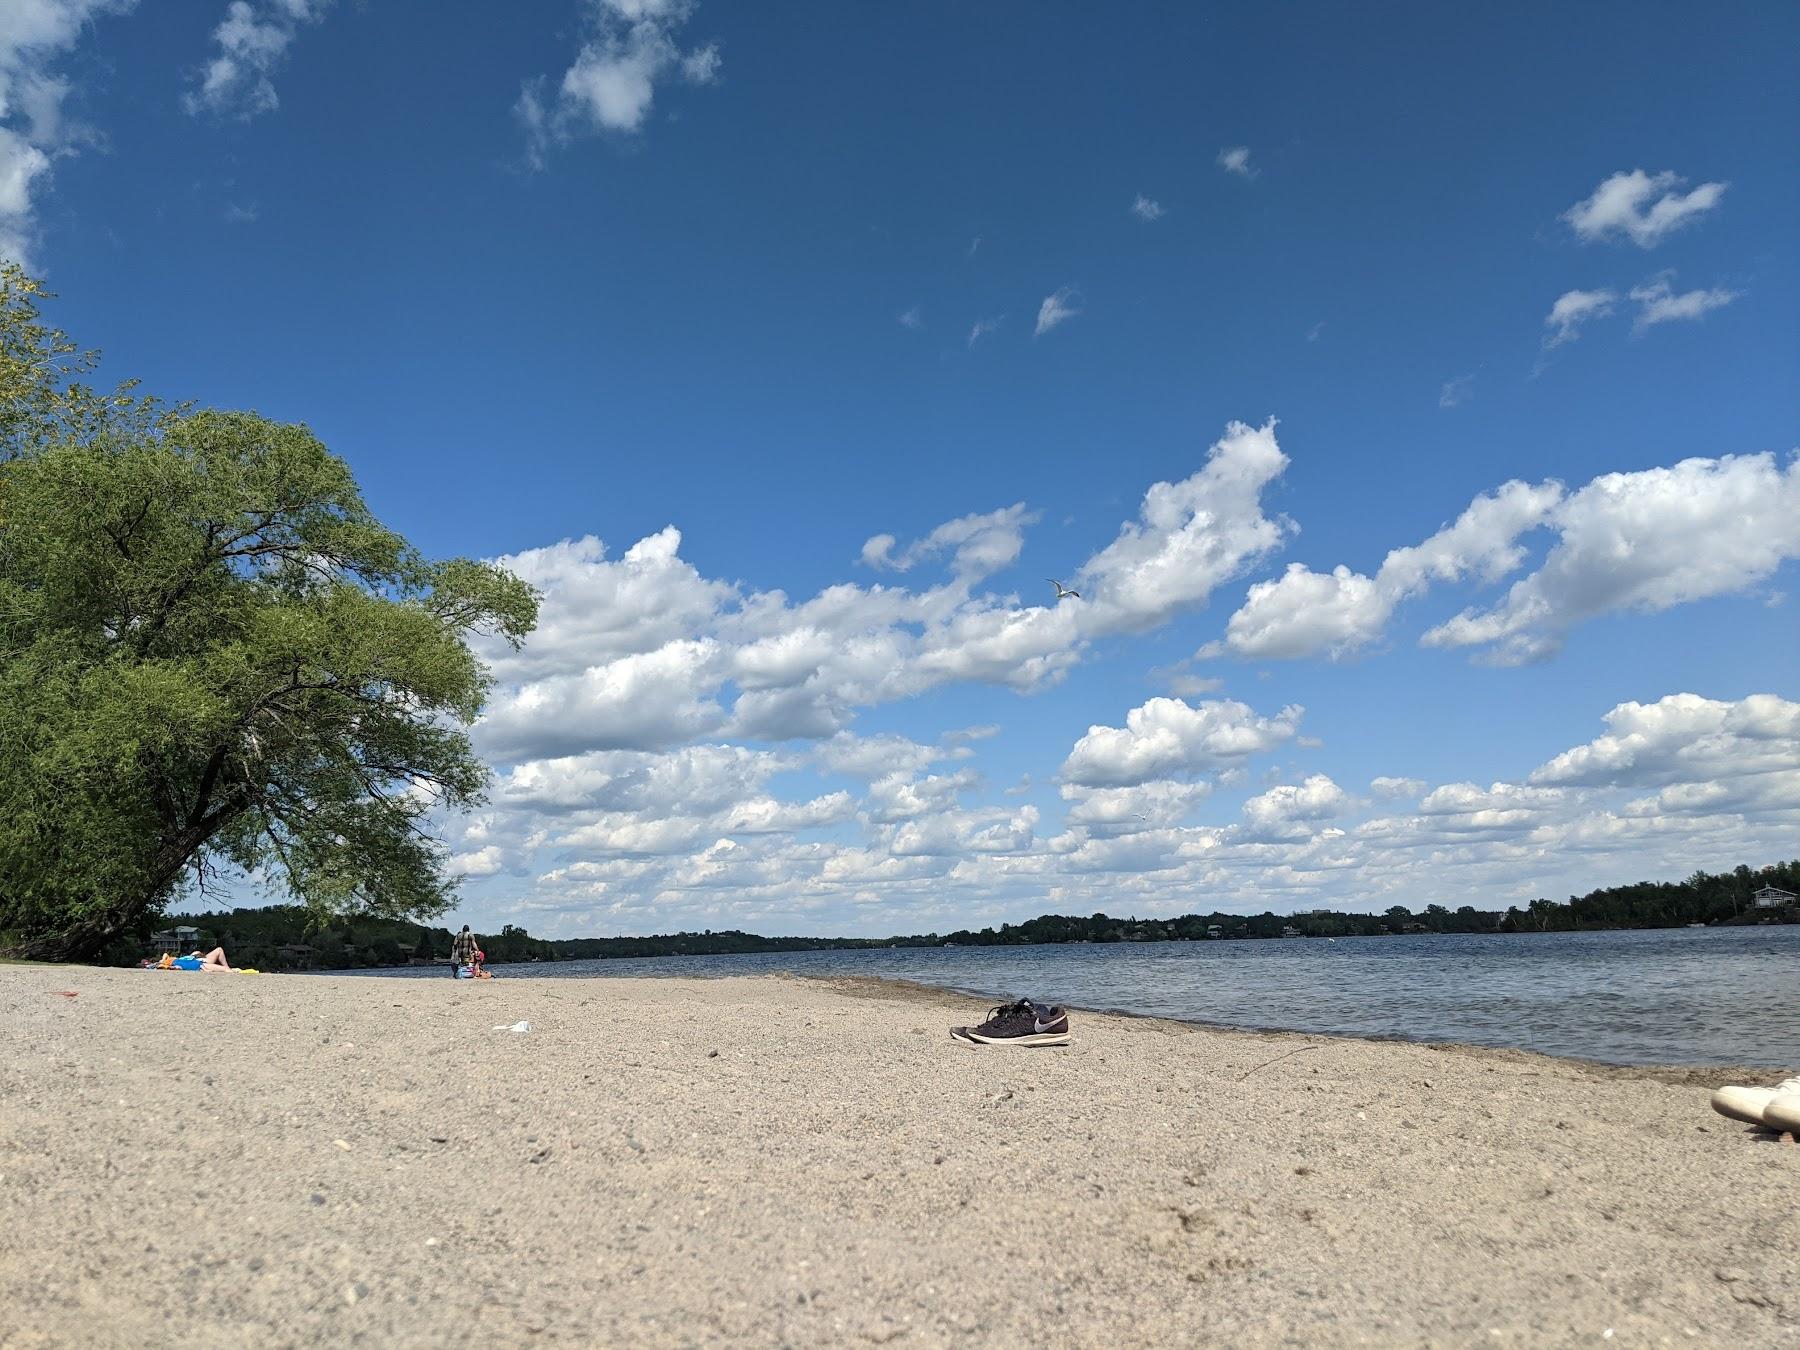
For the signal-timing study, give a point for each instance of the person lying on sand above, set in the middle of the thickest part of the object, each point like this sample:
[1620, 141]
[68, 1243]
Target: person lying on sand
[213, 960]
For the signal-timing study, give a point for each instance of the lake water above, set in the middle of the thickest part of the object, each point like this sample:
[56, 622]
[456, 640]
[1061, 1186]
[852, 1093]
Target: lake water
[1666, 996]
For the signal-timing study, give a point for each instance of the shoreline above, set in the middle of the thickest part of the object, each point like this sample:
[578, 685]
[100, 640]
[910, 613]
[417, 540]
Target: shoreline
[1676, 1075]
[1684, 1072]
[806, 1160]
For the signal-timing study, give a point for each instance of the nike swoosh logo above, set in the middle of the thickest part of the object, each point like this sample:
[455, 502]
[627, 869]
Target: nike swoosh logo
[1039, 1028]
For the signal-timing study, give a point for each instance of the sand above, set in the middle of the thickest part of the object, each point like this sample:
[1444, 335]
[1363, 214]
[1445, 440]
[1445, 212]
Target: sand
[286, 1160]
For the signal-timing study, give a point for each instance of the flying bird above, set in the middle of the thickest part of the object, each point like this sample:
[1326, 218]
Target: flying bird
[1062, 591]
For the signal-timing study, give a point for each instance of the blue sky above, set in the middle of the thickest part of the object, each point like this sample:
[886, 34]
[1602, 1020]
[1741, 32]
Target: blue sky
[973, 278]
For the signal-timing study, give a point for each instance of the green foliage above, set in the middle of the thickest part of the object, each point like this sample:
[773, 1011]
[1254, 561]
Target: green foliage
[1705, 897]
[211, 652]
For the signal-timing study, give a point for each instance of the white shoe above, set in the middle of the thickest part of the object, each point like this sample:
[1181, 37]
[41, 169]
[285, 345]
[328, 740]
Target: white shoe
[1784, 1112]
[1749, 1103]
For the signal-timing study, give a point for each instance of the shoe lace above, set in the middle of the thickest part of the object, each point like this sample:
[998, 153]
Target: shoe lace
[1009, 1010]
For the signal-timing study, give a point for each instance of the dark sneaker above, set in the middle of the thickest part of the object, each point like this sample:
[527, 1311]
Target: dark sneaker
[1021, 1023]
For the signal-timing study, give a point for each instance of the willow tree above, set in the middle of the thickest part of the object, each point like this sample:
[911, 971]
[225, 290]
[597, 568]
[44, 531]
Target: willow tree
[212, 655]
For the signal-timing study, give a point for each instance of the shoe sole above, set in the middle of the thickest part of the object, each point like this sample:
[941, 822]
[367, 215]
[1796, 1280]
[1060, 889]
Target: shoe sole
[969, 1036]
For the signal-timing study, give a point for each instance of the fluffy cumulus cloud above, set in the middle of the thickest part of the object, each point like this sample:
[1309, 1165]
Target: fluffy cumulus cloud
[630, 48]
[481, 862]
[1191, 536]
[35, 130]
[699, 836]
[1658, 302]
[1643, 541]
[1297, 804]
[1644, 208]
[1169, 738]
[1684, 739]
[250, 43]
[675, 750]
[1306, 613]
[642, 652]
[601, 609]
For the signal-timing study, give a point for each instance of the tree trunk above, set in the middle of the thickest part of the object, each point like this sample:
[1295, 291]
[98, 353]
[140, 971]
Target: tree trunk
[88, 937]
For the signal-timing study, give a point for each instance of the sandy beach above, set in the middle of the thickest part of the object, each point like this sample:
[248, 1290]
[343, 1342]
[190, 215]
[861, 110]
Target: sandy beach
[223, 1160]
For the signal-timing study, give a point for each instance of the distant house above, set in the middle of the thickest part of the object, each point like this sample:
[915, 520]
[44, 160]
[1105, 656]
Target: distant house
[175, 940]
[1214, 930]
[1288, 930]
[1773, 897]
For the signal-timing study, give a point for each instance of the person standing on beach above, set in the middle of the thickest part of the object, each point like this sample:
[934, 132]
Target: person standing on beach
[462, 949]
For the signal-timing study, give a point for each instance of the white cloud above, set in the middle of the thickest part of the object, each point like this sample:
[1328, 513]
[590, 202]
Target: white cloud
[1146, 210]
[1643, 541]
[252, 40]
[702, 66]
[1287, 805]
[1183, 684]
[483, 862]
[1167, 738]
[1641, 207]
[1573, 309]
[643, 652]
[1658, 303]
[649, 597]
[629, 49]
[1159, 804]
[645, 700]
[1305, 613]
[872, 757]
[644, 785]
[1683, 739]
[983, 327]
[1386, 786]
[1456, 392]
[1236, 159]
[912, 318]
[691, 780]
[34, 132]
[980, 544]
[1057, 308]
[1672, 785]
[1190, 537]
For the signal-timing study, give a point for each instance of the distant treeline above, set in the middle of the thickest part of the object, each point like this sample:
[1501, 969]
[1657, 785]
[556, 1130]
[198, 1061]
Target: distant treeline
[285, 937]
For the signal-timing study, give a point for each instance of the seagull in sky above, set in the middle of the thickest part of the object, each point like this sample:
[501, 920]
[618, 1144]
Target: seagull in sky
[1062, 591]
